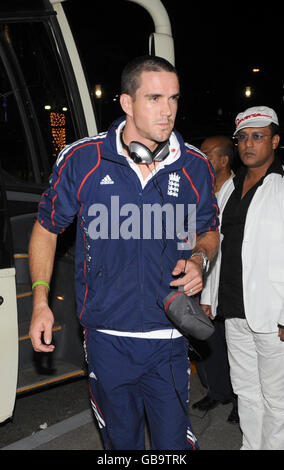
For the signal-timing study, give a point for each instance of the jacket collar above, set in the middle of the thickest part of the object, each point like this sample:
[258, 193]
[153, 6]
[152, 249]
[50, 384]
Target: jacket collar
[112, 148]
[275, 167]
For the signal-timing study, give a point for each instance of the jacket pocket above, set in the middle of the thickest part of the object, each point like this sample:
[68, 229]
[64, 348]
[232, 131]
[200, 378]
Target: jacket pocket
[96, 290]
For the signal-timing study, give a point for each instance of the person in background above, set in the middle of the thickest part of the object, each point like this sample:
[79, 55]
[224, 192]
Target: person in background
[247, 279]
[220, 152]
[213, 368]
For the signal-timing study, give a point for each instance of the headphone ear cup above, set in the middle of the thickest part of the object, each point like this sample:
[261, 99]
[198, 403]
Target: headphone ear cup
[140, 153]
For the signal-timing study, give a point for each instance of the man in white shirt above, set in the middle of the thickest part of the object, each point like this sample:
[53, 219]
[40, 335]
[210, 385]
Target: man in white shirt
[246, 285]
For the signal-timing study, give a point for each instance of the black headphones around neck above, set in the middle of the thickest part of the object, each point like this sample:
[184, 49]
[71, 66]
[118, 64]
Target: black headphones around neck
[139, 153]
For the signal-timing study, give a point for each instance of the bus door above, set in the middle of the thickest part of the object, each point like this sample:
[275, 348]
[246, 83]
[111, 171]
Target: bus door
[40, 112]
[8, 313]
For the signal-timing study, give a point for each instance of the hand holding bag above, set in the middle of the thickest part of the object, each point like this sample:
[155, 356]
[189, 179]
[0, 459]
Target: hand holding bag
[187, 315]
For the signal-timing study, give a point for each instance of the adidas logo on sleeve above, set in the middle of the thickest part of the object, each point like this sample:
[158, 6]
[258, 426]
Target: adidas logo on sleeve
[107, 180]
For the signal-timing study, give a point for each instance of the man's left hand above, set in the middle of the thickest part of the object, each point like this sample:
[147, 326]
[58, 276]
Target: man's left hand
[192, 281]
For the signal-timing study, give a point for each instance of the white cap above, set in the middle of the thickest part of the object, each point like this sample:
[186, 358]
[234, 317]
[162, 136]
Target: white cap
[258, 116]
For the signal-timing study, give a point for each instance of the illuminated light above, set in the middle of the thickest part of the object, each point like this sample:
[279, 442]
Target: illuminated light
[64, 108]
[98, 91]
[255, 70]
[57, 119]
[59, 297]
[47, 106]
[248, 92]
[58, 131]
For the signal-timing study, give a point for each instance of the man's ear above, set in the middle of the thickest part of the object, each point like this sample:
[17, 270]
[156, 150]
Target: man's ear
[225, 160]
[275, 141]
[126, 103]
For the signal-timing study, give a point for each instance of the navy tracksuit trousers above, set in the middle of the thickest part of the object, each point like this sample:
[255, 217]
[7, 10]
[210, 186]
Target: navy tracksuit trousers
[131, 377]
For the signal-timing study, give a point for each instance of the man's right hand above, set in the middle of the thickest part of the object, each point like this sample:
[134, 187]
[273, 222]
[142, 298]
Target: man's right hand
[41, 328]
[41, 256]
[207, 310]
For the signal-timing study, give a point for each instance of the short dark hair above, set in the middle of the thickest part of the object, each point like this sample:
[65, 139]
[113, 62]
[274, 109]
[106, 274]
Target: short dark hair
[130, 78]
[274, 129]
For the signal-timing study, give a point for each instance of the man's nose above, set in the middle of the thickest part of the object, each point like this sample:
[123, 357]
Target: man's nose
[166, 108]
[249, 141]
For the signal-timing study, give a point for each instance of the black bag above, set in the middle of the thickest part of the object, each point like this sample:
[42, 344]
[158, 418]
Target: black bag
[187, 315]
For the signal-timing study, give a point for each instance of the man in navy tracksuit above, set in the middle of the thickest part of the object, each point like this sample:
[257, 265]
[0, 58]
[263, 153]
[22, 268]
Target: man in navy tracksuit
[130, 188]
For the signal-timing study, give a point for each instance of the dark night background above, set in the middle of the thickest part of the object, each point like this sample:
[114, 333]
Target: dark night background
[216, 49]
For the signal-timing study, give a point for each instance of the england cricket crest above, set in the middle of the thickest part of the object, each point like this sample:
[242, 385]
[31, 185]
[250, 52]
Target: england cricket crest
[173, 185]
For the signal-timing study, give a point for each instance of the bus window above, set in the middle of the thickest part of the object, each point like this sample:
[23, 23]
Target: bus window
[12, 137]
[35, 111]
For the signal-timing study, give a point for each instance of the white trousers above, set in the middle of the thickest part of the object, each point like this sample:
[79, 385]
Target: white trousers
[257, 374]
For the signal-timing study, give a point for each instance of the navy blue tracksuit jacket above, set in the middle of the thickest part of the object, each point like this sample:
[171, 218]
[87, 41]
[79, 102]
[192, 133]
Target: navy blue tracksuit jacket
[121, 274]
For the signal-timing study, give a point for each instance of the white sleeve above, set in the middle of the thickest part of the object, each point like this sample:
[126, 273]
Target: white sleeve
[205, 297]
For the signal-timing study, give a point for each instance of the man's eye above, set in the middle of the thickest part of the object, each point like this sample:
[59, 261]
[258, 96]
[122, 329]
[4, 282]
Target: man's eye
[257, 136]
